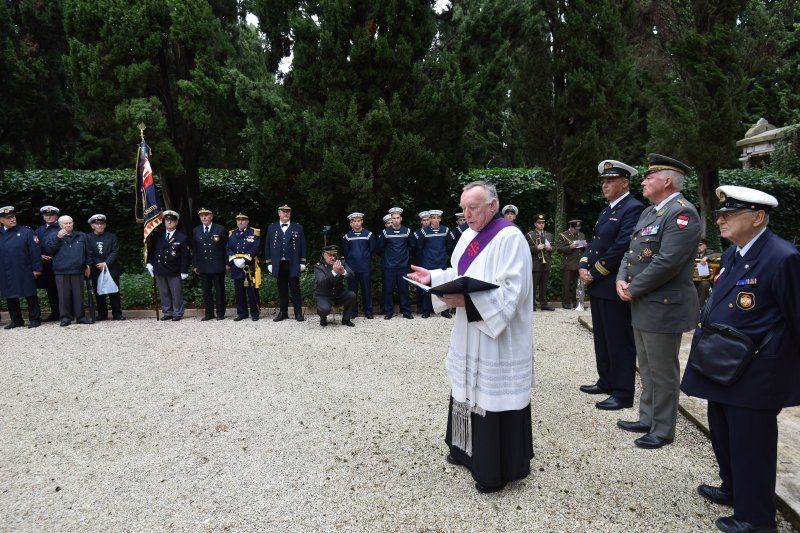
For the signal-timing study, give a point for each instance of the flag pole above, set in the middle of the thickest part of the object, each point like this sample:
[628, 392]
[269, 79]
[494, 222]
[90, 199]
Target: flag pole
[147, 207]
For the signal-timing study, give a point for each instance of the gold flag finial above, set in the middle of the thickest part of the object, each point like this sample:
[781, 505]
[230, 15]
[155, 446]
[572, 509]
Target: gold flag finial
[141, 130]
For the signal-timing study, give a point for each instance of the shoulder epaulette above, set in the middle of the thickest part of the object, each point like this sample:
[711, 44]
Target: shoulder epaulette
[683, 204]
[230, 232]
[257, 232]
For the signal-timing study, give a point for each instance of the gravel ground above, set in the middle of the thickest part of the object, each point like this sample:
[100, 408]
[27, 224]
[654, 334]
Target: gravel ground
[215, 426]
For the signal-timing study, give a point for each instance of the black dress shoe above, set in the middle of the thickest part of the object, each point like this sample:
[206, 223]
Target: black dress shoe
[426, 315]
[488, 490]
[447, 314]
[567, 306]
[635, 427]
[34, 324]
[613, 404]
[119, 317]
[84, 320]
[13, 325]
[348, 323]
[207, 317]
[730, 525]
[548, 308]
[64, 323]
[387, 316]
[594, 389]
[280, 316]
[408, 316]
[452, 460]
[299, 317]
[239, 317]
[651, 441]
[715, 495]
[368, 316]
[323, 321]
[166, 317]
[176, 318]
[220, 317]
[254, 318]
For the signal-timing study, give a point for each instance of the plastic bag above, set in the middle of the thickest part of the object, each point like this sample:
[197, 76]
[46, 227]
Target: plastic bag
[105, 283]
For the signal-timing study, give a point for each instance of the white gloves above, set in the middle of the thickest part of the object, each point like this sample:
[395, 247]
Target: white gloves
[302, 268]
[184, 276]
[150, 269]
[239, 262]
[269, 267]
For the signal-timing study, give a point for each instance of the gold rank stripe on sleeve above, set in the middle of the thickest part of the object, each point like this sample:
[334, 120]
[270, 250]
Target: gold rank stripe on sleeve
[602, 269]
[257, 232]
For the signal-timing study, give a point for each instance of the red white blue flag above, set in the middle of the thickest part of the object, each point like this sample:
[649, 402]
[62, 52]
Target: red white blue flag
[148, 210]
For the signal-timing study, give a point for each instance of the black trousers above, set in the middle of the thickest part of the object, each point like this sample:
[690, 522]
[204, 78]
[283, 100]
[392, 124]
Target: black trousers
[114, 298]
[347, 300]
[15, 312]
[47, 281]
[246, 297]
[745, 442]
[614, 347]
[569, 283]
[361, 281]
[218, 301]
[286, 282]
[541, 278]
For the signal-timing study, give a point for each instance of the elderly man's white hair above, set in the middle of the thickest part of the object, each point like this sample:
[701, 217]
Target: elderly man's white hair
[64, 218]
[677, 178]
[491, 190]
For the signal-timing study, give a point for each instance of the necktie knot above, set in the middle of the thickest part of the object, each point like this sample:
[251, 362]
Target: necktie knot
[206, 229]
[284, 225]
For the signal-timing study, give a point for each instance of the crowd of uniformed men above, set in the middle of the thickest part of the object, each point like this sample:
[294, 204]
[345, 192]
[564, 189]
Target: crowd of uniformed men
[59, 258]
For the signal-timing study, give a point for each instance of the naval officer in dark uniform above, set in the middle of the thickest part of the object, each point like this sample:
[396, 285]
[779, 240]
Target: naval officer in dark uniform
[104, 254]
[243, 245]
[211, 262]
[285, 256]
[758, 293]
[656, 277]
[47, 280]
[614, 347]
[433, 251]
[20, 265]
[168, 262]
[329, 288]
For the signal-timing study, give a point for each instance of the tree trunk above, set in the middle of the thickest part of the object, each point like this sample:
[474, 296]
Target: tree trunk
[707, 183]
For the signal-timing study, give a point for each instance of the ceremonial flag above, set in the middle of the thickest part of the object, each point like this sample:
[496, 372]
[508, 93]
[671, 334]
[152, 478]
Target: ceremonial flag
[148, 210]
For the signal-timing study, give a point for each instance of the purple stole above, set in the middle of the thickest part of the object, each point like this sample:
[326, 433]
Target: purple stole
[479, 243]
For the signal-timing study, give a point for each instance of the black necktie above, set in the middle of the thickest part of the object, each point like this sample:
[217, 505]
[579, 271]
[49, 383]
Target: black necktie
[206, 230]
[284, 225]
[169, 236]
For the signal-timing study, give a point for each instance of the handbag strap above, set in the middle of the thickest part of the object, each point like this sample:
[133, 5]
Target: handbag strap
[707, 310]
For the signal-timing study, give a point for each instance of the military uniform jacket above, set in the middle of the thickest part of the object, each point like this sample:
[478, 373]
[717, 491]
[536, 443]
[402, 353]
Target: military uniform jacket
[610, 241]
[208, 250]
[289, 246]
[456, 233]
[20, 256]
[358, 249]
[759, 292]
[41, 235]
[169, 257]
[434, 246]
[327, 284]
[104, 249]
[244, 244]
[70, 254]
[534, 238]
[659, 265]
[572, 256]
[394, 246]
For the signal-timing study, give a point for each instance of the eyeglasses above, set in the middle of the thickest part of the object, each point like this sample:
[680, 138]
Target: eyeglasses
[727, 215]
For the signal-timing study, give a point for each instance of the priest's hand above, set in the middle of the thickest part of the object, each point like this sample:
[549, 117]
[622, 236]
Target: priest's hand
[453, 300]
[420, 275]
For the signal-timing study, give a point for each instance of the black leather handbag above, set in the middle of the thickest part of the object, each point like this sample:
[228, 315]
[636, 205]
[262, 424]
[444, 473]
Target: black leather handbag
[722, 353]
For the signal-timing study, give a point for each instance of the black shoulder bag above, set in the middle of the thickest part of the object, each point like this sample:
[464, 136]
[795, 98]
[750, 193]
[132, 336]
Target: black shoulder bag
[722, 353]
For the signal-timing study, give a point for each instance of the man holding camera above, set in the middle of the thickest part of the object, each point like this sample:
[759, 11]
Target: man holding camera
[330, 290]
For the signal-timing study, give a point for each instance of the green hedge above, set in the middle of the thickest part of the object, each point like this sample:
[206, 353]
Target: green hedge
[83, 193]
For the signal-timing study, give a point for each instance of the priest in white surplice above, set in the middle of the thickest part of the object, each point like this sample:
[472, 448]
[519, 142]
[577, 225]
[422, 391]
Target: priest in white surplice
[490, 360]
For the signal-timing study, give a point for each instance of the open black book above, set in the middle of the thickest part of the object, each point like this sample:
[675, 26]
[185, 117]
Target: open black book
[464, 284]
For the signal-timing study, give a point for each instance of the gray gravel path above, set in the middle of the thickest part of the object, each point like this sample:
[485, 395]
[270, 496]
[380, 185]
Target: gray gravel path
[217, 426]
